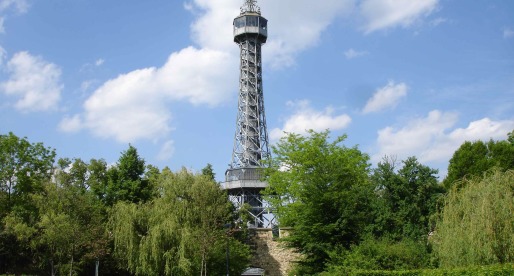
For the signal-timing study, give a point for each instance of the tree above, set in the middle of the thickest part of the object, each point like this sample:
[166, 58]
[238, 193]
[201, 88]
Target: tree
[511, 137]
[475, 158]
[180, 232]
[24, 167]
[125, 180]
[406, 199]
[209, 172]
[476, 225]
[321, 189]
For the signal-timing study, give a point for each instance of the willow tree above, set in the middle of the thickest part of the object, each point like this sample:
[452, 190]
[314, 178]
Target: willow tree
[180, 232]
[477, 225]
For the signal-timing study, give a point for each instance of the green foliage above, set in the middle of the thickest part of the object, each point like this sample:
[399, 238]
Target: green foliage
[180, 232]
[405, 199]
[209, 172]
[24, 167]
[477, 225]
[125, 180]
[493, 270]
[321, 189]
[68, 230]
[383, 254]
[475, 158]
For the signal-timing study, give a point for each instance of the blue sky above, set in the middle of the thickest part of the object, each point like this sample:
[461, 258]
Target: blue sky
[401, 78]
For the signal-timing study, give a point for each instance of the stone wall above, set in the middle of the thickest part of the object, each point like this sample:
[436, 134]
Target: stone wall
[270, 254]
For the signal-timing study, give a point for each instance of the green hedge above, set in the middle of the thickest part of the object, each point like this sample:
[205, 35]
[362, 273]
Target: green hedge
[491, 270]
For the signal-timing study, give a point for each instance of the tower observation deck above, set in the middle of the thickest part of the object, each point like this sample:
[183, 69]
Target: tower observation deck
[243, 178]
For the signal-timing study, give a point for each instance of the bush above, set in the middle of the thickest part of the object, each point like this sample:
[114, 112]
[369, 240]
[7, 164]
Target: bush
[492, 270]
[383, 254]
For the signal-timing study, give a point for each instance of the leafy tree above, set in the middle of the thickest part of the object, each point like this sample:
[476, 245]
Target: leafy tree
[475, 158]
[321, 189]
[125, 180]
[477, 225]
[209, 172]
[511, 137]
[180, 232]
[24, 167]
[406, 199]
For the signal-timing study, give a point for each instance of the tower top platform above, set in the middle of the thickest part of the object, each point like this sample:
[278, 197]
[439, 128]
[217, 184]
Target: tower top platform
[250, 23]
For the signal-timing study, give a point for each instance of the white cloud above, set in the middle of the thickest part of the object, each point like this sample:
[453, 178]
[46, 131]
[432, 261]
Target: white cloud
[384, 14]
[351, 53]
[306, 118]
[438, 21]
[21, 6]
[35, 81]
[70, 124]
[434, 138]
[386, 97]
[167, 151]
[99, 62]
[296, 25]
[508, 33]
[135, 105]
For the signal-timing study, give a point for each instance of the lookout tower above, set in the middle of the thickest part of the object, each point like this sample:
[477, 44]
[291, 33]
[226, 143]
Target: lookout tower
[242, 179]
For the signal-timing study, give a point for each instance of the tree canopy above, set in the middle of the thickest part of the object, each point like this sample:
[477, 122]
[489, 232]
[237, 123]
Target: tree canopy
[321, 189]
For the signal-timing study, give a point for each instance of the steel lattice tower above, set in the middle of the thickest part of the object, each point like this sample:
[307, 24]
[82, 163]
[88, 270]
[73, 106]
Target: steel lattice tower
[251, 138]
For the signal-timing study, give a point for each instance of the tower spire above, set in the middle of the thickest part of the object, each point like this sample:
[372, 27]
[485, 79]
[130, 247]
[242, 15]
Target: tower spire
[250, 6]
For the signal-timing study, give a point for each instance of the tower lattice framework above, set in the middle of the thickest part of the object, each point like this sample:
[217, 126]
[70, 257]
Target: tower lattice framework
[243, 178]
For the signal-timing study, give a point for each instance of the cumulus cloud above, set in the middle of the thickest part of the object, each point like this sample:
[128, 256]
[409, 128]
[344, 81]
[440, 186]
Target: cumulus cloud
[434, 137]
[386, 97]
[508, 33]
[351, 53]
[34, 81]
[384, 14]
[296, 25]
[306, 118]
[135, 105]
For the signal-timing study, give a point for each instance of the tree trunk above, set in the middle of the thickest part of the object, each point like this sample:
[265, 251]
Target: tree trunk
[71, 266]
[97, 265]
[52, 267]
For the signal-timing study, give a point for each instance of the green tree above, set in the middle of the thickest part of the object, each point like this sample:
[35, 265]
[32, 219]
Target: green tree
[209, 172]
[125, 180]
[180, 232]
[406, 199]
[477, 225]
[321, 189]
[24, 167]
[475, 158]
